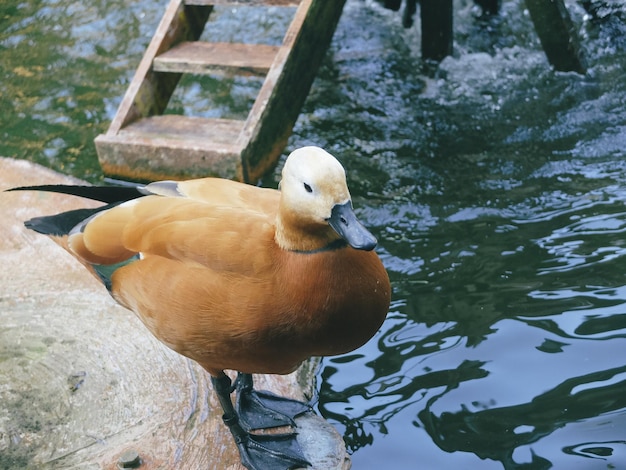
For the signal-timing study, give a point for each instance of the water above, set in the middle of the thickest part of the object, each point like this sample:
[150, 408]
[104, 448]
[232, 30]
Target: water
[496, 190]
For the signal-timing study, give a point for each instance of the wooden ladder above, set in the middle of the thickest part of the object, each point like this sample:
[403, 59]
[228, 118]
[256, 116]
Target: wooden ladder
[143, 143]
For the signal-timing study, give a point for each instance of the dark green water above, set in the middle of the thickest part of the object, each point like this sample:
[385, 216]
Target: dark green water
[496, 191]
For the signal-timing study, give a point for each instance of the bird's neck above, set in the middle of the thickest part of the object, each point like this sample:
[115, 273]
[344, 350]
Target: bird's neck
[304, 238]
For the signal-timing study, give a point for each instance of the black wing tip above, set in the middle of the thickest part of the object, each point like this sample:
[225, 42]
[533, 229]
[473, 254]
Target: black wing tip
[63, 223]
[44, 225]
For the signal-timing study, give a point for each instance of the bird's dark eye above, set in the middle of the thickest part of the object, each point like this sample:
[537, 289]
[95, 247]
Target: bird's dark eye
[308, 188]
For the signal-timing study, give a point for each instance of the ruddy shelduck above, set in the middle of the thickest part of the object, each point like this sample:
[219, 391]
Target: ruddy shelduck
[238, 277]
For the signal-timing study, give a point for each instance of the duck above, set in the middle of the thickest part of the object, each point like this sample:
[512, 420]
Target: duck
[238, 277]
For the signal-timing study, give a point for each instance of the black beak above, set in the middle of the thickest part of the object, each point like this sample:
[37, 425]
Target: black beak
[344, 222]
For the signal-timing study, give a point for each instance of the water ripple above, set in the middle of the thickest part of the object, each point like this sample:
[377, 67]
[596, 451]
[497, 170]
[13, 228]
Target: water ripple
[586, 241]
[598, 450]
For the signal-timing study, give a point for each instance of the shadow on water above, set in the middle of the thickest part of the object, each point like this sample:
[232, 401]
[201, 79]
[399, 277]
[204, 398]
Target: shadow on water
[495, 189]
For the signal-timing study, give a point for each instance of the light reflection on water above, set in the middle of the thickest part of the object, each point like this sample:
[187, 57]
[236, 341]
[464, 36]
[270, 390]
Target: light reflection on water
[496, 192]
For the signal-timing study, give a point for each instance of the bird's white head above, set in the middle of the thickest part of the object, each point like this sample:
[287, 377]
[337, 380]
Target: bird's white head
[316, 203]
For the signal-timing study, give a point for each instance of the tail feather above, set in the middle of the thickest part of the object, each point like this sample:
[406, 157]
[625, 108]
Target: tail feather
[61, 224]
[108, 194]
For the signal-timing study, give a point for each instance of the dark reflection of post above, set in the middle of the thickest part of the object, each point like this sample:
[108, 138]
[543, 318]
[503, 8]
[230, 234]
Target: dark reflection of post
[437, 29]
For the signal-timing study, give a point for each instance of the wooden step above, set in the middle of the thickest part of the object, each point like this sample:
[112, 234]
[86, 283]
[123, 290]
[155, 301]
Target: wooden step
[173, 146]
[192, 130]
[144, 144]
[199, 57]
[256, 3]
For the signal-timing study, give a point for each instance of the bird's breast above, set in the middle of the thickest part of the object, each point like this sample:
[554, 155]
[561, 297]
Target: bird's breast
[335, 301]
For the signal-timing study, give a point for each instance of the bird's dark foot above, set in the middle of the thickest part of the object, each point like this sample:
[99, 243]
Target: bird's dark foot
[263, 410]
[261, 451]
[270, 452]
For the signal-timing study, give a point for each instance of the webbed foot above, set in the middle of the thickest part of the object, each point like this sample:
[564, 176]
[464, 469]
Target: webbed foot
[271, 452]
[262, 409]
[261, 451]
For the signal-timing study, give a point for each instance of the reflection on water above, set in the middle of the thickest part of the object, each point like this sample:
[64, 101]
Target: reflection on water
[497, 193]
[63, 67]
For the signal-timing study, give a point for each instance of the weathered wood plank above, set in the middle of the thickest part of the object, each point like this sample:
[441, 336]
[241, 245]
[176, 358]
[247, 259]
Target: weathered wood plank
[209, 57]
[206, 131]
[144, 159]
[140, 144]
[173, 146]
[150, 91]
[287, 85]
